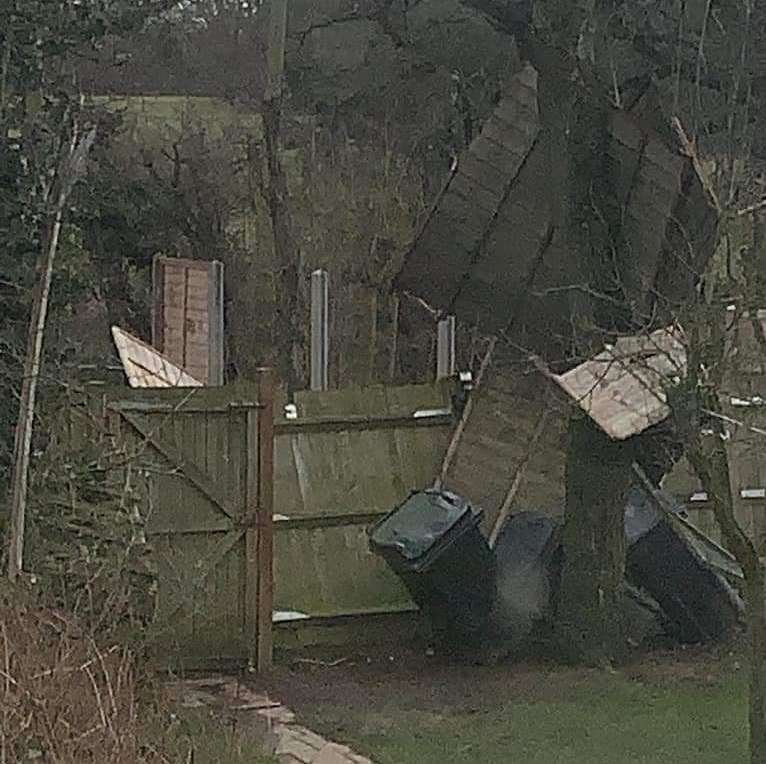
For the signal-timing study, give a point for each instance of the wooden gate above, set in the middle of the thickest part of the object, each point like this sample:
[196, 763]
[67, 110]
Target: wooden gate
[207, 458]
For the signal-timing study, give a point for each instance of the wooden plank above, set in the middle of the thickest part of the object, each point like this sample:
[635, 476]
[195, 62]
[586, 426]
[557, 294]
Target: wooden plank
[217, 453]
[357, 423]
[158, 305]
[188, 315]
[398, 401]
[328, 521]
[265, 520]
[139, 407]
[235, 480]
[215, 327]
[339, 575]
[250, 583]
[197, 279]
[237, 394]
[195, 475]
[195, 437]
[203, 566]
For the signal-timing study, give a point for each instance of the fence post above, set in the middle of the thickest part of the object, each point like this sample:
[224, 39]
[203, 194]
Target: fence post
[265, 521]
[320, 340]
[445, 348]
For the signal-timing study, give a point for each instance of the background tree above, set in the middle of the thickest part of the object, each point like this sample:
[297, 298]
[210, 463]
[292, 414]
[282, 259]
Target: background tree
[43, 150]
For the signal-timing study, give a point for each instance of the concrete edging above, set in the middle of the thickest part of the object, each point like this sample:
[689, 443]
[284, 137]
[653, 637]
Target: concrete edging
[283, 738]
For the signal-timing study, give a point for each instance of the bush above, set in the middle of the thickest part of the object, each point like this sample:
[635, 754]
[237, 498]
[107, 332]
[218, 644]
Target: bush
[65, 699]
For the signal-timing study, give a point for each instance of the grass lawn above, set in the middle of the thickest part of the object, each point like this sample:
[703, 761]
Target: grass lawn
[672, 708]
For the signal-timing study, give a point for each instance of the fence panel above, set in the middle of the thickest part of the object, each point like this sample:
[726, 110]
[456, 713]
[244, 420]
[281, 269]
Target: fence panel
[349, 458]
[204, 451]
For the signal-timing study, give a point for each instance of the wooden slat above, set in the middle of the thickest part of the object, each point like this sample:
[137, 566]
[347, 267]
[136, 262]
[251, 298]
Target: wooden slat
[158, 305]
[250, 587]
[215, 328]
[265, 520]
[188, 315]
[207, 564]
[328, 521]
[190, 470]
[357, 423]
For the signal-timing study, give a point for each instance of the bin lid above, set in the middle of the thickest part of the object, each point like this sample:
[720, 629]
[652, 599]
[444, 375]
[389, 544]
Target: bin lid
[641, 515]
[422, 520]
[524, 538]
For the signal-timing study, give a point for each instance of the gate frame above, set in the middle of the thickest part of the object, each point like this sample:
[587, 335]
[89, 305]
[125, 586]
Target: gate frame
[256, 522]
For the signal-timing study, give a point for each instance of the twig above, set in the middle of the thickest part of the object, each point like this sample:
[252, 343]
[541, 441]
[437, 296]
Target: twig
[735, 422]
[74, 669]
[6, 694]
[104, 723]
[752, 208]
[690, 150]
[323, 664]
[423, 304]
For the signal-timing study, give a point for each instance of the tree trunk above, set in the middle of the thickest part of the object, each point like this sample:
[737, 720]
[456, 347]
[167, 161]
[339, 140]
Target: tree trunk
[756, 278]
[71, 166]
[288, 334]
[288, 339]
[598, 476]
[23, 440]
[710, 459]
[756, 621]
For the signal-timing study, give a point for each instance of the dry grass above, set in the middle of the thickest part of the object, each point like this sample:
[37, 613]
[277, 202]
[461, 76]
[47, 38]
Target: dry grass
[64, 699]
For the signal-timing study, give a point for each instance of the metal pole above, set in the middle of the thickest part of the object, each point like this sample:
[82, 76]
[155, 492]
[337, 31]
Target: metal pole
[320, 330]
[445, 348]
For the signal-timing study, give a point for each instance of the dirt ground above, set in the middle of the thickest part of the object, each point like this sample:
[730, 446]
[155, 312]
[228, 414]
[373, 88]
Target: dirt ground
[425, 681]
[404, 705]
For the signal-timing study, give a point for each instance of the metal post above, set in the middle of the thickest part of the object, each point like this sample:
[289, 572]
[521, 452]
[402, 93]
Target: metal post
[320, 331]
[445, 348]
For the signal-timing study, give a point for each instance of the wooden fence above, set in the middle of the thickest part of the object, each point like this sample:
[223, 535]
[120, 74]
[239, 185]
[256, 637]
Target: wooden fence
[255, 519]
[745, 428]
[349, 458]
[254, 522]
[204, 458]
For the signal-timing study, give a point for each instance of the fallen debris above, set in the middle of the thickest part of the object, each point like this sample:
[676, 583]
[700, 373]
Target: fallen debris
[698, 602]
[623, 388]
[145, 366]
[477, 597]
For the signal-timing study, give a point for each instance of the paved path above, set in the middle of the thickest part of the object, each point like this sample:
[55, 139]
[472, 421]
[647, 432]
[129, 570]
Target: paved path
[282, 736]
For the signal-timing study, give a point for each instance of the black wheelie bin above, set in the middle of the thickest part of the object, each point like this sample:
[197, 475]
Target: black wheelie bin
[433, 542]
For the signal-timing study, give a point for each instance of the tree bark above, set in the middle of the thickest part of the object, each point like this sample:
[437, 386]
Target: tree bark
[710, 460]
[288, 335]
[756, 621]
[287, 340]
[597, 479]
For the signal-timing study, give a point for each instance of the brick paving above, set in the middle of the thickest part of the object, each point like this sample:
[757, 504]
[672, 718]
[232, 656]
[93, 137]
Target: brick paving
[283, 738]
